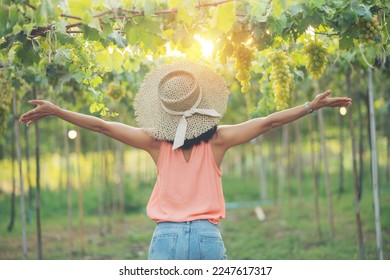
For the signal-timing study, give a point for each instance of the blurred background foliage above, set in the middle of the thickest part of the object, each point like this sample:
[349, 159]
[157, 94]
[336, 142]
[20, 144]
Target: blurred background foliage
[84, 198]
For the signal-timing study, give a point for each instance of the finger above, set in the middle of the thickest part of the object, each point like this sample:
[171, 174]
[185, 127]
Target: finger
[34, 118]
[326, 93]
[32, 112]
[28, 116]
[341, 103]
[30, 121]
[25, 116]
[35, 102]
[342, 99]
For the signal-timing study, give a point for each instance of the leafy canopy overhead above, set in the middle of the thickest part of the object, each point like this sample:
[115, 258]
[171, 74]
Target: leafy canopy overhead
[83, 43]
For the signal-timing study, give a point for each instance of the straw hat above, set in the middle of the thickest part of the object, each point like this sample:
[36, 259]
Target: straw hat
[179, 101]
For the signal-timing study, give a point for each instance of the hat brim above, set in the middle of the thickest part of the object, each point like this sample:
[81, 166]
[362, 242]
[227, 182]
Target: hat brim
[162, 125]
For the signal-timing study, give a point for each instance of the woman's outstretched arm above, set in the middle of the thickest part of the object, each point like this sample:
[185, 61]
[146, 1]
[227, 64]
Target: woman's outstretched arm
[132, 136]
[232, 135]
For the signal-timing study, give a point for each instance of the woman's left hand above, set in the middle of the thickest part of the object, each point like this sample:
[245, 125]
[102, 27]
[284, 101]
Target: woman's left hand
[323, 100]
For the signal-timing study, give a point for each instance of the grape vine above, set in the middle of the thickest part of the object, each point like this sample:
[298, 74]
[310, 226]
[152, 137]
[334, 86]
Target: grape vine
[73, 39]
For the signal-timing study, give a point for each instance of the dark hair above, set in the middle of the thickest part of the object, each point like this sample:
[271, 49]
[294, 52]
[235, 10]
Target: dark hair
[206, 136]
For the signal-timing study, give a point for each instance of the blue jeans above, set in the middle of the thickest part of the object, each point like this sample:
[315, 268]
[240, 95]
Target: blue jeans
[195, 240]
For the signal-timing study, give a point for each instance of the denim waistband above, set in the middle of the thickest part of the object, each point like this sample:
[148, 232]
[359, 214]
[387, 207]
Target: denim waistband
[196, 225]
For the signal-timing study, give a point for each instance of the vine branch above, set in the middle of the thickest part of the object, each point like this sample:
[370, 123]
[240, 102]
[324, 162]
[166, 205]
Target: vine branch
[41, 31]
[328, 34]
[70, 16]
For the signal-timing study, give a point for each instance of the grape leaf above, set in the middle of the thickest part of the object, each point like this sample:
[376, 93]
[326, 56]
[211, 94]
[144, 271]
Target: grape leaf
[94, 82]
[62, 56]
[186, 10]
[13, 15]
[149, 8]
[296, 9]
[95, 23]
[117, 39]
[110, 61]
[224, 17]
[363, 11]
[278, 7]
[26, 54]
[90, 33]
[345, 43]
[318, 3]
[277, 24]
[45, 11]
[3, 22]
[79, 7]
[145, 33]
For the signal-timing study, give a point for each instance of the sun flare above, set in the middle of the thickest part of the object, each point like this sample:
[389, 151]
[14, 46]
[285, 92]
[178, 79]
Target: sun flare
[207, 47]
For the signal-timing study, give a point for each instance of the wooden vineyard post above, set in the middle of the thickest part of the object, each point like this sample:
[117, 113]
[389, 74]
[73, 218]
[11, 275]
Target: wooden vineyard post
[374, 165]
[298, 163]
[326, 167]
[38, 185]
[21, 188]
[80, 194]
[315, 180]
[355, 172]
[327, 177]
[68, 191]
[341, 159]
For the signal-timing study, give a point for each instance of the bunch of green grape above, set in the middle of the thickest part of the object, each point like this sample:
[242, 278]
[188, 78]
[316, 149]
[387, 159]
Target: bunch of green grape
[243, 56]
[369, 30]
[281, 77]
[316, 52]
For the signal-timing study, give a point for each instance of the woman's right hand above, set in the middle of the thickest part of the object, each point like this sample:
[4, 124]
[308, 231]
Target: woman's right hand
[43, 108]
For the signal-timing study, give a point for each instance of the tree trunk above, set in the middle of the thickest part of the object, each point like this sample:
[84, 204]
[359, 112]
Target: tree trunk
[374, 166]
[69, 191]
[298, 162]
[121, 182]
[238, 164]
[38, 187]
[274, 158]
[100, 185]
[361, 146]
[119, 178]
[326, 166]
[29, 183]
[262, 171]
[80, 194]
[341, 159]
[388, 141]
[13, 194]
[355, 172]
[107, 189]
[19, 157]
[326, 170]
[282, 164]
[315, 178]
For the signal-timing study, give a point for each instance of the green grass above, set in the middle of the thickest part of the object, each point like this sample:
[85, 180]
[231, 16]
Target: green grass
[289, 231]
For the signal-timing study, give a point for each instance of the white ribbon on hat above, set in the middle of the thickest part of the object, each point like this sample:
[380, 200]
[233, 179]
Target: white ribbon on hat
[182, 126]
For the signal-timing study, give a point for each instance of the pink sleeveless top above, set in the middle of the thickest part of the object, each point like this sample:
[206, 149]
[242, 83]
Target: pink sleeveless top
[187, 191]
